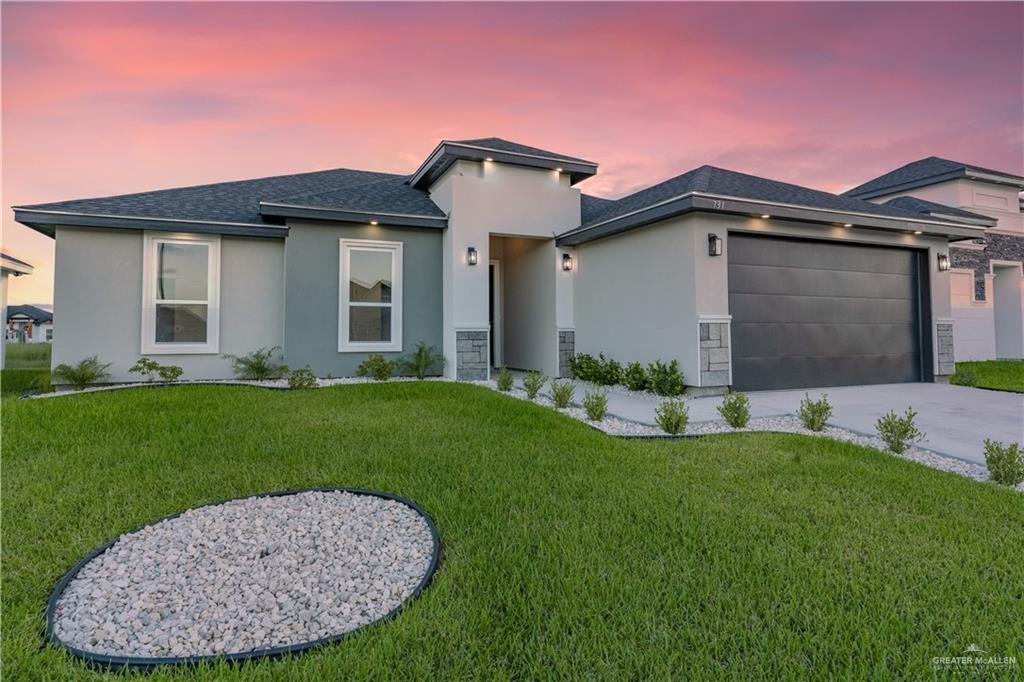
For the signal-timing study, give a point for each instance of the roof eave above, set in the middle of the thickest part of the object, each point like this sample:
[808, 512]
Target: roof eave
[46, 223]
[447, 153]
[970, 173]
[275, 210]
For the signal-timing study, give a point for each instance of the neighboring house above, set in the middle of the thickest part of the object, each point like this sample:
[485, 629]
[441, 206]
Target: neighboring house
[489, 252]
[9, 267]
[987, 280]
[29, 324]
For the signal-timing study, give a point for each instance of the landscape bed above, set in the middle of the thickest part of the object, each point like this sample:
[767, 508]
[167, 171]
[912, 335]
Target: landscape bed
[747, 555]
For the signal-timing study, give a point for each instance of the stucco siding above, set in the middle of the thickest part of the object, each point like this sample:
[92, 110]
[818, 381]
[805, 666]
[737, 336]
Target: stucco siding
[98, 300]
[530, 339]
[312, 292]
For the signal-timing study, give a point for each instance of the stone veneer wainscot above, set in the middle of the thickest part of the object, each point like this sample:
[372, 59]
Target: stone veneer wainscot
[715, 356]
[472, 351]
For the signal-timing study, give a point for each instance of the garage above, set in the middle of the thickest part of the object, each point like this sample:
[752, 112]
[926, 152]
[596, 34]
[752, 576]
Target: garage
[812, 313]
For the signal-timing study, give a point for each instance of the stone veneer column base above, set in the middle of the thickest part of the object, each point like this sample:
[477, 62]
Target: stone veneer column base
[472, 351]
[944, 339]
[566, 351]
[715, 354]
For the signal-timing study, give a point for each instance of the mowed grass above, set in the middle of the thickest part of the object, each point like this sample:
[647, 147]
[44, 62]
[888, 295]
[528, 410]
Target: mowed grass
[26, 368]
[567, 553]
[27, 355]
[1001, 375]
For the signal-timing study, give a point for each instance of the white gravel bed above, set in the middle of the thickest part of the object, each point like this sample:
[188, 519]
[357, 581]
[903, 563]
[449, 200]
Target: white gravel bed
[267, 383]
[247, 575]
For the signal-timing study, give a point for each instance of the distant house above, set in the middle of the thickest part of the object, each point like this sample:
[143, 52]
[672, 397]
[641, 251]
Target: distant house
[9, 267]
[29, 324]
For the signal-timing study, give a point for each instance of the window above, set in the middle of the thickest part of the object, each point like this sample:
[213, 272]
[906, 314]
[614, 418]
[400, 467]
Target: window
[181, 282]
[49, 335]
[370, 295]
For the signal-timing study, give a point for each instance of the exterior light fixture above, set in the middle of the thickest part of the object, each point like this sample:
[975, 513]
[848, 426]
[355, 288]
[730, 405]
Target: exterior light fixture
[943, 262]
[714, 245]
[488, 159]
[558, 170]
[374, 222]
[918, 232]
[566, 262]
[847, 224]
[765, 216]
[471, 255]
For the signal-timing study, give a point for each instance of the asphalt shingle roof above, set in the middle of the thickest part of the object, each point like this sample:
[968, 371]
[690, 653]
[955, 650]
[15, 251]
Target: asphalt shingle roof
[501, 145]
[917, 171]
[591, 207]
[38, 315]
[930, 208]
[388, 195]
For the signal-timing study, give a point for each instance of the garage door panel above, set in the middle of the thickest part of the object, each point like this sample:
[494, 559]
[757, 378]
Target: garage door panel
[812, 313]
[781, 340]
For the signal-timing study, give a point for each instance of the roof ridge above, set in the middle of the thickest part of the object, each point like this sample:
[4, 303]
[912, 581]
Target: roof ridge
[338, 189]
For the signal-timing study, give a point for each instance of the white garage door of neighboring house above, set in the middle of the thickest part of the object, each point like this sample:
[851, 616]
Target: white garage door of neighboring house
[812, 313]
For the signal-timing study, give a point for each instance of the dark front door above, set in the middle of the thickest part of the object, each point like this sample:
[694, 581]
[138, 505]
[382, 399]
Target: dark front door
[809, 313]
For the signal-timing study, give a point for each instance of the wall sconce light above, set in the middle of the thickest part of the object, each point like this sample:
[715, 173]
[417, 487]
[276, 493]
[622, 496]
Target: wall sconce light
[566, 262]
[714, 245]
[765, 216]
[847, 224]
[943, 262]
[471, 255]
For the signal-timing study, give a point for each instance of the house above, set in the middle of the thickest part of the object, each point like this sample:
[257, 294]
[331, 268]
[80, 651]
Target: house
[29, 324]
[9, 267]
[490, 252]
[987, 279]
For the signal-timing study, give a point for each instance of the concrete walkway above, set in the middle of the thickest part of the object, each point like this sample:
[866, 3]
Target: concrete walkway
[955, 419]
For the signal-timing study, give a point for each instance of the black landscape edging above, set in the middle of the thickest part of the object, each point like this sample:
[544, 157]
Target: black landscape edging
[141, 663]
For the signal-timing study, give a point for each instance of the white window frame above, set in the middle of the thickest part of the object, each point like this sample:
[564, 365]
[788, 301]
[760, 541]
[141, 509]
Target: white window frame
[345, 248]
[149, 302]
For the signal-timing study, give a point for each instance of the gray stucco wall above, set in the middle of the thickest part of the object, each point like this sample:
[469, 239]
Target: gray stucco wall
[98, 300]
[312, 297]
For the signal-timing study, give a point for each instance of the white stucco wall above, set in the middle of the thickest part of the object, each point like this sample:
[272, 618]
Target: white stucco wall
[98, 300]
[997, 201]
[1008, 308]
[974, 326]
[529, 338]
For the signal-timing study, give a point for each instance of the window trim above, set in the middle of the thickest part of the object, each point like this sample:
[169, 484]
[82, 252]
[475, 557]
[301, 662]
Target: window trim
[345, 247]
[150, 346]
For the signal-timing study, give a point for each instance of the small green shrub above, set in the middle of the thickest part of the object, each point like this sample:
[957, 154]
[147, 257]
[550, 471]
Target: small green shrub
[1005, 462]
[672, 415]
[814, 413]
[259, 365]
[86, 372]
[585, 367]
[562, 392]
[735, 410]
[635, 377]
[170, 373]
[595, 403]
[424, 361]
[504, 380]
[150, 368]
[377, 366]
[609, 372]
[666, 379]
[302, 379]
[966, 375]
[533, 382]
[898, 432]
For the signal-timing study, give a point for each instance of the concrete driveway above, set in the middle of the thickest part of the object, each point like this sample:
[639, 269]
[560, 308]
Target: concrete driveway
[955, 419]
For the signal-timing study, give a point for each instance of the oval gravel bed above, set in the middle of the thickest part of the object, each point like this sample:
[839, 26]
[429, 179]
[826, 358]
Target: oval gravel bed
[257, 576]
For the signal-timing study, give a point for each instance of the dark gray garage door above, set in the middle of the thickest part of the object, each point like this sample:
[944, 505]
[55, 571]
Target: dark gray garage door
[807, 313]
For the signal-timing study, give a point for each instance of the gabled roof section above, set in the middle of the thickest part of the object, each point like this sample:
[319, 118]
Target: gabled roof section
[929, 172]
[941, 211]
[448, 152]
[37, 315]
[219, 208]
[14, 266]
[718, 190]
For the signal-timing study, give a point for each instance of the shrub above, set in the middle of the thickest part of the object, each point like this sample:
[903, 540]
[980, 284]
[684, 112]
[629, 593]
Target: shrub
[149, 368]
[86, 372]
[635, 377]
[898, 432]
[586, 367]
[170, 373]
[666, 379]
[504, 380]
[1005, 462]
[596, 404]
[258, 365]
[672, 415]
[533, 382]
[562, 392]
[609, 372]
[814, 413]
[424, 361]
[735, 410]
[377, 366]
[302, 379]
[965, 375]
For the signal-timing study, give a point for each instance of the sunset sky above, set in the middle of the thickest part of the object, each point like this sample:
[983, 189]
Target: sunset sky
[103, 99]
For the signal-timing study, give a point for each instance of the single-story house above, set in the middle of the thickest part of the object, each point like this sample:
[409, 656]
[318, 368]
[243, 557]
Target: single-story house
[29, 324]
[9, 267]
[490, 252]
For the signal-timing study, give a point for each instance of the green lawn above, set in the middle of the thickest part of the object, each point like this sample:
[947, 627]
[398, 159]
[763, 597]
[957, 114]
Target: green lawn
[1001, 375]
[567, 553]
[27, 355]
[26, 368]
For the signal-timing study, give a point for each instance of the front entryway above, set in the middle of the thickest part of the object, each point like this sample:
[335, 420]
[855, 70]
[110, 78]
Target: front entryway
[494, 311]
[814, 313]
